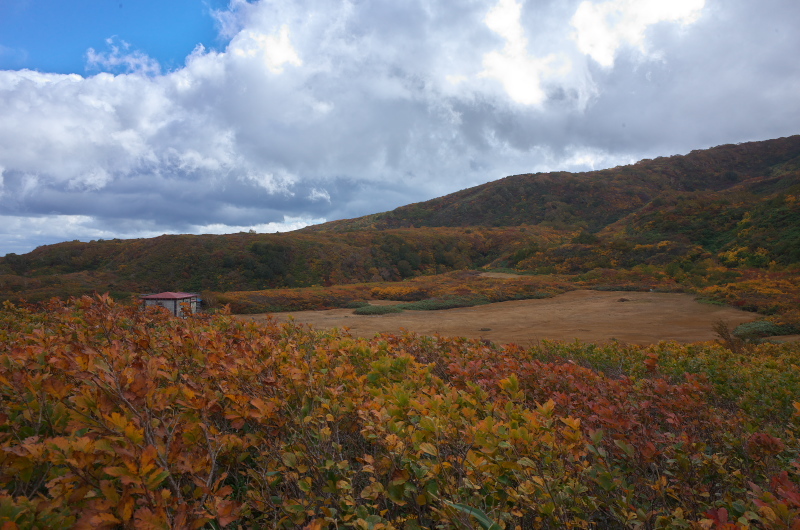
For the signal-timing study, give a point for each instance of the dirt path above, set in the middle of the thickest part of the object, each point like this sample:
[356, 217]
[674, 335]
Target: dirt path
[590, 316]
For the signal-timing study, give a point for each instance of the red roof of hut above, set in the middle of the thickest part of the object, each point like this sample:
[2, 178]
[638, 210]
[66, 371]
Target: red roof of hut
[168, 296]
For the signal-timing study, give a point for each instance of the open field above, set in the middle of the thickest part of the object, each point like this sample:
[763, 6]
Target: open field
[590, 316]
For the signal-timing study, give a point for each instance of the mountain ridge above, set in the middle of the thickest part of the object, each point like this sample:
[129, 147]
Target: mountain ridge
[560, 193]
[737, 205]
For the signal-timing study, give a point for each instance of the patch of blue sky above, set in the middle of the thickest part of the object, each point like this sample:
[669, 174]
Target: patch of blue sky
[55, 35]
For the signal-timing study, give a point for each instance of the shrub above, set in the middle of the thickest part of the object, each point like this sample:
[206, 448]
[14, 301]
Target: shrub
[118, 417]
[763, 328]
[400, 291]
[377, 310]
[621, 288]
[436, 304]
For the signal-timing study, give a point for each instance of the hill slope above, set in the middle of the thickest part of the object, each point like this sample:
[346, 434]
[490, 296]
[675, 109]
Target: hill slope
[592, 200]
[736, 205]
[238, 262]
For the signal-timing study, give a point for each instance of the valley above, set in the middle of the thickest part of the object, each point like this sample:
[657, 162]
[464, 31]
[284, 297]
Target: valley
[586, 316]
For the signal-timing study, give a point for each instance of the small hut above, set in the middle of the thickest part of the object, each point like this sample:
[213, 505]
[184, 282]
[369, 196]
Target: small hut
[173, 302]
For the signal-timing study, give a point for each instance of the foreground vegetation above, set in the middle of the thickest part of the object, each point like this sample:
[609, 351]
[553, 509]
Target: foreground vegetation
[114, 416]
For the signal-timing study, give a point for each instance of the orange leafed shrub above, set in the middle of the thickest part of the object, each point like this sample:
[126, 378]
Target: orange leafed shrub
[453, 284]
[117, 417]
[772, 293]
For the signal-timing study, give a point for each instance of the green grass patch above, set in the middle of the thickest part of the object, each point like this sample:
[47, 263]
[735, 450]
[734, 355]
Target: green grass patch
[377, 310]
[509, 270]
[627, 287]
[709, 301]
[763, 328]
[437, 304]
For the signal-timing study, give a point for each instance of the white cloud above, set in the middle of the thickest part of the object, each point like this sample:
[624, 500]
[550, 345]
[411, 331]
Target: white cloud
[274, 50]
[520, 73]
[94, 179]
[289, 224]
[30, 185]
[280, 182]
[21, 231]
[600, 29]
[587, 159]
[120, 58]
[202, 66]
[455, 79]
[318, 194]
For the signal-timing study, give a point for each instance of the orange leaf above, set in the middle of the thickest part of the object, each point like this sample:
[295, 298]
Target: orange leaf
[227, 512]
[104, 519]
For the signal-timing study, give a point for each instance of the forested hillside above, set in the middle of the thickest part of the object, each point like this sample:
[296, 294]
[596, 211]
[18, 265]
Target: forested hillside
[733, 206]
[595, 199]
[256, 261]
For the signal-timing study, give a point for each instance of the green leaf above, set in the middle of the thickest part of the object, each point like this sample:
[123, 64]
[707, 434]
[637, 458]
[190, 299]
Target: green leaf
[483, 519]
[606, 481]
[155, 480]
[596, 436]
[627, 448]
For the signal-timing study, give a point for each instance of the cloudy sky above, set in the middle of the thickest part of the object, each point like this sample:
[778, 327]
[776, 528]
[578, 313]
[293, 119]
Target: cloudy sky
[122, 118]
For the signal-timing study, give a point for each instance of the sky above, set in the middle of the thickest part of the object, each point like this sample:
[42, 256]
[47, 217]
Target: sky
[125, 119]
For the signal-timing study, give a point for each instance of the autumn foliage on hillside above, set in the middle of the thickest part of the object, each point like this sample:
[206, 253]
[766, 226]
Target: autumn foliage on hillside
[238, 262]
[467, 285]
[595, 199]
[113, 416]
[735, 205]
[771, 293]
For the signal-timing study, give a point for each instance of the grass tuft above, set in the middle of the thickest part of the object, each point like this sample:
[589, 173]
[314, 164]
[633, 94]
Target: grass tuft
[763, 328]
[436, 304]
[377, 310]
[355, 304]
